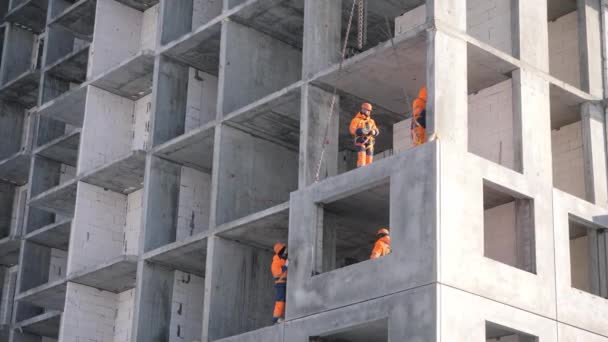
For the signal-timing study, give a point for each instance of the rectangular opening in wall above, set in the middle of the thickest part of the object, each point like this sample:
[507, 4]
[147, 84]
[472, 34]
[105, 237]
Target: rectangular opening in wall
[496, 333]
[508, 221]
[496, 23]
[346, 234]
[493, 130]
[42, 265]
[376, 331]
[564, 45]
[184, 16]
[587, 254]
[178, 203]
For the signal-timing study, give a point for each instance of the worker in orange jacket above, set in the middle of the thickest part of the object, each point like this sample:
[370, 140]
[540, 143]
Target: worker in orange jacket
[364, 130]
[279, 273]
[418, 126]
[382, 247]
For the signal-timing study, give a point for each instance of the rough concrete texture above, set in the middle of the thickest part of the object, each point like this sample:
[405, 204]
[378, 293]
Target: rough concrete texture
[153, 152]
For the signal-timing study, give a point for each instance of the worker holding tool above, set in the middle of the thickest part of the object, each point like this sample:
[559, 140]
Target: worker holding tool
[279, 273]
[418, 126]
[364, 131]
[382, 247]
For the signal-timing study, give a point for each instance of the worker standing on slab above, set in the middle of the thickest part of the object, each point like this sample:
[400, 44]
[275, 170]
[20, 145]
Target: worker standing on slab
[382, 247]
[364, 130]
[279, 273]
[418, 126]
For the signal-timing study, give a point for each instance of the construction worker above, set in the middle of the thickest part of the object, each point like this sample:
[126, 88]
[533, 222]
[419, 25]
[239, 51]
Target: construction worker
[418, 126]
[279, 273]
[382, 247]
[364, 131]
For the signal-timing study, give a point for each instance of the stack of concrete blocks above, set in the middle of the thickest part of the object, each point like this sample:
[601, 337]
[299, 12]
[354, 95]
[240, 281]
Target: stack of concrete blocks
[170, 144]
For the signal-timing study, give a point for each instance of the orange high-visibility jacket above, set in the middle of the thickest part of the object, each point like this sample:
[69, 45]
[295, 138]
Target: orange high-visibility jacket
[419, 118]
[382, 247]
[279, 267]
[361, 121]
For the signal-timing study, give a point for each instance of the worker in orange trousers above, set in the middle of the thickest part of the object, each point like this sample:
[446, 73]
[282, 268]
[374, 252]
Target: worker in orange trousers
[382, 247]
[279, 273]
[418, 126]
[364, 130]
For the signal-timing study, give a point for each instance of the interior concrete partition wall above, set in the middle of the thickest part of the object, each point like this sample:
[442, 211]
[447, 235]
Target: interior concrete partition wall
[253, 174]
[270, 66]
[241, 293]
[413, 228]
[495, 22]
[12, 119]
[40, 265]
[7, 194]
[17, 53]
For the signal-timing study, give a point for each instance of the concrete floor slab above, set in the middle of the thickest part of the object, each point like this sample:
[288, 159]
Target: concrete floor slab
[199, 49]
[275, 118]
[55, 235]
[187, 256]
[46, 324]
[131, 79]
[68, 108]
[9, 250]
[78, 19]
[124, 175]
[193, 149]
[30, 13]
[140, 5]
[63, 149]
[116, 276]
[49, 296]
[73, 67]
[60, 199]
[23, 89]
[15, 169]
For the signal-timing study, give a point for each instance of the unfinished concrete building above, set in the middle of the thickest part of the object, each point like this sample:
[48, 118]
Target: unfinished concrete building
[152, 152]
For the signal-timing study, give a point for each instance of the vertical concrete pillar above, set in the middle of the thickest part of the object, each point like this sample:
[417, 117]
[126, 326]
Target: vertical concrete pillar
[322, 35]
[594, 151]
[598, 257]
[525, 240]
[176, 19]
[315, 121]
[590, 46]
[533, 33]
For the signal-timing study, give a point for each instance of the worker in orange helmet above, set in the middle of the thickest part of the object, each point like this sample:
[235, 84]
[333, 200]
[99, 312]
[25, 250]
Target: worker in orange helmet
[279, 273]
[364, 130]
[382, 247]
[418, 126]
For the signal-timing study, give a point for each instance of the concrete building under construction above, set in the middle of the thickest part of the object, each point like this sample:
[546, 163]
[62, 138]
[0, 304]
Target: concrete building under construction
[152, 152]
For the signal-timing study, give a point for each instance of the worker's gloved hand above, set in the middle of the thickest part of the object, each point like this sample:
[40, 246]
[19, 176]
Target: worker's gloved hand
[374, 132]
[365, 131]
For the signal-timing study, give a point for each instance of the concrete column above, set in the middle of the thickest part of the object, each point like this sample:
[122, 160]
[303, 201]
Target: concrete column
[525, 240]
[594, 151]
[155, 305]
[590, 46]
[314, 122]
[598, 256]
[322, 35]
[170, 96]
[447, 89]
[11, 129]
[176, 19]
[450, 12]
[533, 33]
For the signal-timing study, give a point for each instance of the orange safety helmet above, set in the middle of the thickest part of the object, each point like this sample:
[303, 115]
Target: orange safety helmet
[383, 231]
[366, 106]
[278, 247]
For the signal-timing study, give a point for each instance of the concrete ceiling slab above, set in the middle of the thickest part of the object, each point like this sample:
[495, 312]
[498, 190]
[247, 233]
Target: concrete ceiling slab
[78, 19]
[31, 14]
[68, 108]
[199, 49]
[280, 19]
[56, 235]
[275, 118]
[559, 8]
[140, 5]
[63, 149]
[116, 276]
[495, 331]
[124, 175]
[565, 107]
[15, 169]
[46, 325]
[131, 79]
[73, 67]
[486, 69]
[49, 296]
[23, 89]
[193, 149]
[376, 331]
[187, 256]
[9, 251]
[60, 199]
[495, 195]
[262, 229]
